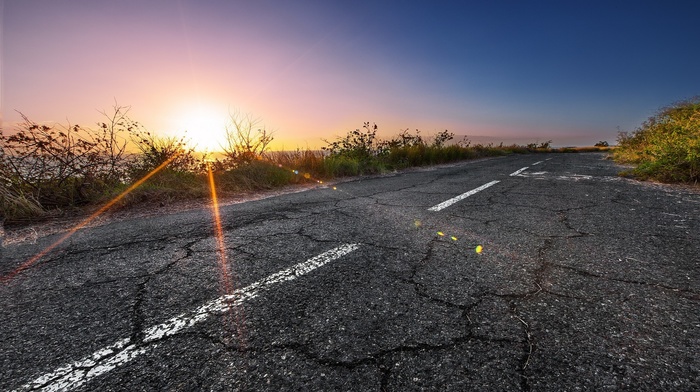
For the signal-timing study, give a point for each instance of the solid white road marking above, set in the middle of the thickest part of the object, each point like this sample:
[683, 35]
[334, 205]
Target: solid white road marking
[74, 375]
[515, 173]
[455, 199]
[537, 163]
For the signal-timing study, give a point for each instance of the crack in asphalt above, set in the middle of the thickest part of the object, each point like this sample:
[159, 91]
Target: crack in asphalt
[136, 314]
[687, 293]
[528, 350]
[381, 358]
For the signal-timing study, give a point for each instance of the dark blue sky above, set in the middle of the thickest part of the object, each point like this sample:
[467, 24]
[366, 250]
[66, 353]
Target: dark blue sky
[568, 71]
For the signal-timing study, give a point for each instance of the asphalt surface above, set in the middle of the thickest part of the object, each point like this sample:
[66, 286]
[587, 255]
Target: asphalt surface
[584, 281]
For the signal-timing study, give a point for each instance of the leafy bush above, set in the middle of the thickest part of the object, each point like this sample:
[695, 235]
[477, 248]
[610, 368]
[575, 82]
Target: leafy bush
[357, 144]
[665, 147]
[157, 151]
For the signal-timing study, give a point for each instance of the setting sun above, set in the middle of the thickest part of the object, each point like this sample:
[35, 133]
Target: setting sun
[204, 127]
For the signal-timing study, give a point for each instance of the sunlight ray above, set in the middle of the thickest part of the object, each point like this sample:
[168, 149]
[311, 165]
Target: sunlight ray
[226, 280]
[84, 222]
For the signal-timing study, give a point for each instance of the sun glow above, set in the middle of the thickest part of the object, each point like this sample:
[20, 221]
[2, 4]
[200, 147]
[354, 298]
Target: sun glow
[204, 127]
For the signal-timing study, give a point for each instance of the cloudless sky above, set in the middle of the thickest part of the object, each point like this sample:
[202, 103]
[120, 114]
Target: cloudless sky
[570, 71]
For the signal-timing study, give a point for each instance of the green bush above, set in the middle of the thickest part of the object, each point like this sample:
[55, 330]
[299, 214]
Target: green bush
[666, 147]
[157, 151]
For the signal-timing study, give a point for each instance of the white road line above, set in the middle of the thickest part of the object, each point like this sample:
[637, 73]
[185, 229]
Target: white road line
[455, 199]
[74, 375]
[537, 163]
[515, 173]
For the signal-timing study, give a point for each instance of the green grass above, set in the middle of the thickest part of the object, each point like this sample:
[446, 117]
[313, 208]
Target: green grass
[666, 147]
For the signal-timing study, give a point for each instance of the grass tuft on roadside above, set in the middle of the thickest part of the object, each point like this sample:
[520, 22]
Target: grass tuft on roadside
[666, 147]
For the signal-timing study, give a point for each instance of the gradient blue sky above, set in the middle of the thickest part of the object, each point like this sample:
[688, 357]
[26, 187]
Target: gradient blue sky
[518, 70]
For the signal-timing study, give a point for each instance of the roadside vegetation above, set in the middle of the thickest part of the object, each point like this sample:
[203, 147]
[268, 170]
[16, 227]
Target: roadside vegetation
[666, 147]
[61, 170]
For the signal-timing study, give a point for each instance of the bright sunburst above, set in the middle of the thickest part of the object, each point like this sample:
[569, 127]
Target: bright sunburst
[205, 127]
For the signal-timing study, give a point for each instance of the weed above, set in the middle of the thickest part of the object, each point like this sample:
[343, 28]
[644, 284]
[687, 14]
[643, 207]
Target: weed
[246, 141]
[666, 147]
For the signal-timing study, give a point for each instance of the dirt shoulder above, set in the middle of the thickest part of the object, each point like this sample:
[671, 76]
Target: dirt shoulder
[33, 231]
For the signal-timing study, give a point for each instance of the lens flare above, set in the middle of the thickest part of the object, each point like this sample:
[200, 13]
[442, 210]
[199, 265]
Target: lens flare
[479, 249]
[441, 234]
[227, 282]
[221, 246]
[85, 222]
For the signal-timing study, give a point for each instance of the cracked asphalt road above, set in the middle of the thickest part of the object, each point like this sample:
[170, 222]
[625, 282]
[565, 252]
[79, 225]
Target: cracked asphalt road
[587, 281]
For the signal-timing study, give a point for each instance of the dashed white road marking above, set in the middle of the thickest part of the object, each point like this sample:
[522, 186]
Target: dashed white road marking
[575, 177]
[537, 163]
[515, 173]
[75, 374]
[455, 199]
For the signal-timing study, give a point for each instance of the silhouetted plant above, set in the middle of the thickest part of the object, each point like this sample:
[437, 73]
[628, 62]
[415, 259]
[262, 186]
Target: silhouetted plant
[52, 165]
[245, 141]
[442, 137]
[157, 150]
[402, 140]
[356, 144]
[111, 139]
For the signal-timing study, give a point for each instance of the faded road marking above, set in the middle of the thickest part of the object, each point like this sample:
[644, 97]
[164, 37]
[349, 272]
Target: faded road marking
[455, 199]
[537, 163]
[515, 173]
[74, 375]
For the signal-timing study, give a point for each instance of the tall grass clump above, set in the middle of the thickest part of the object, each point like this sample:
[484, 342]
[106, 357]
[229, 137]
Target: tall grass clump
[666, 147]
